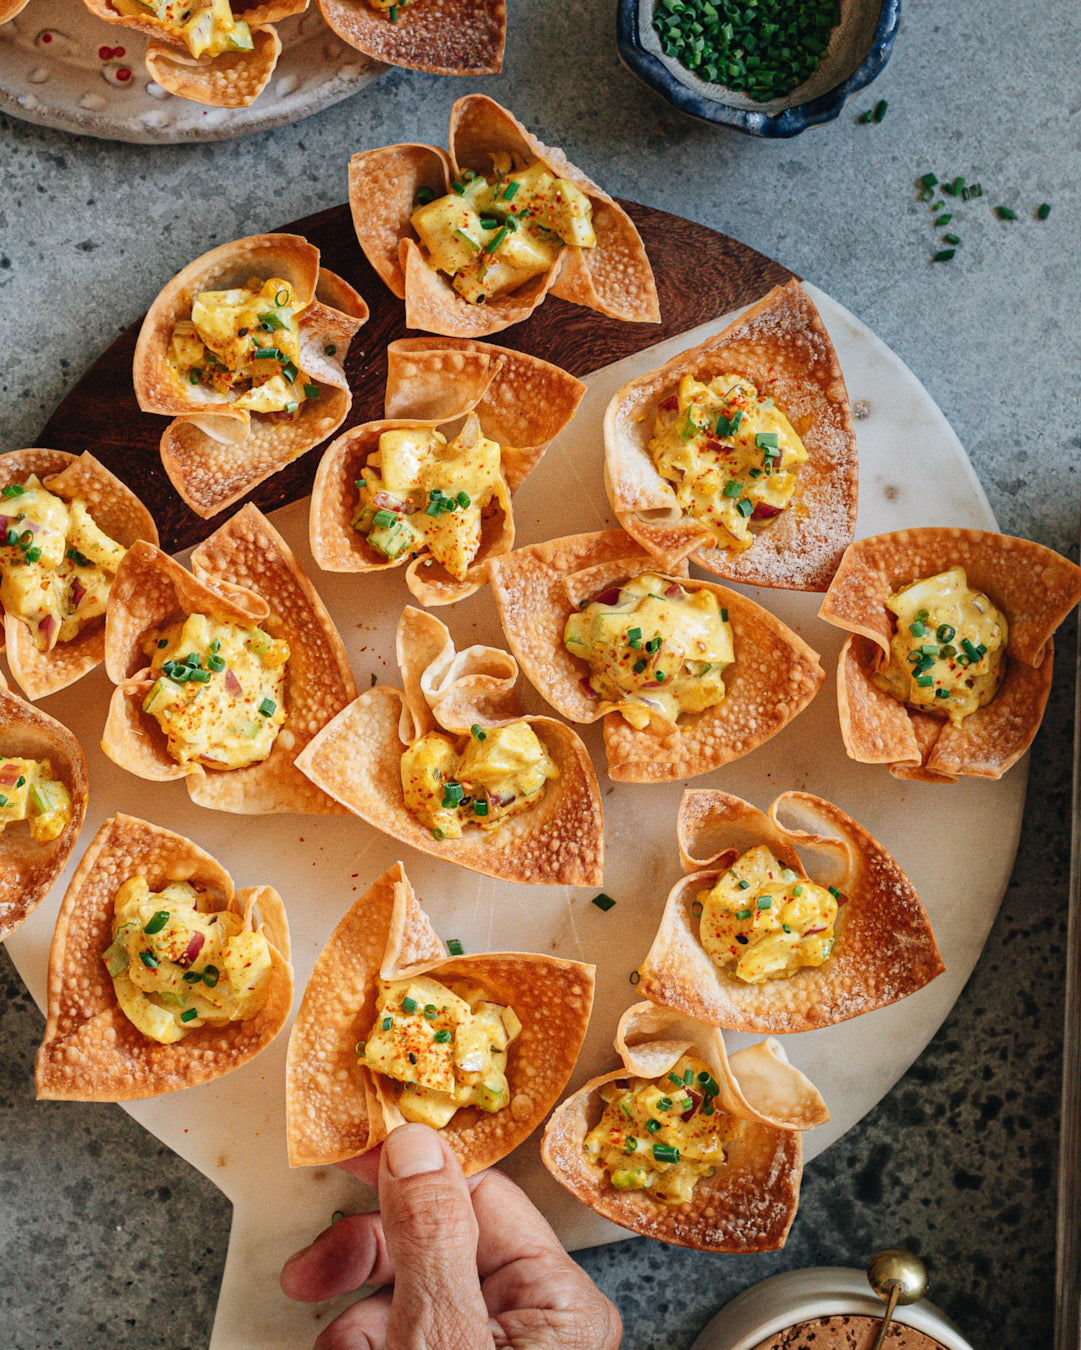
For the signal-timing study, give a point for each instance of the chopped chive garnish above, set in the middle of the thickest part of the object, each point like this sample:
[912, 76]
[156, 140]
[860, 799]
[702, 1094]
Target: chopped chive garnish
[696, 909]
[409, 1005]
[786, 928]
[744, 885]
[189, 1015]
[743, 913]
[630, 1144]
[675, 1078]
[945, 632]
[658, 675]
[438, 835]
[724, 616]
[653, 1126]
[665, 1103]
[215, 663]
[733, 488]
[969, 649]
[665, 1153]
[424, 195]
[157, 922]
[925, 681]
[745, 507]
[942, 693]
[462, 499]
[330, 349]
[834, 892]
[430, 1011]
[454, 946]
[604, 902]
[639, 666]
[764, 902]
[311, 391]
[387, 1023]
[510, 190]
[211, 976]
[477, 732]
[192, 977]
[13, 490]
[457, 188]
[442, 1036]
[634, 638]
[480, 808]
[267, 706]
[151, 962]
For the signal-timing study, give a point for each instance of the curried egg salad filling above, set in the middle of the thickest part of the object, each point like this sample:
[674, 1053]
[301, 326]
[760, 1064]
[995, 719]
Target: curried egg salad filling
[652, 645]
[732, 456]
[206, 27]
[662, 1135]
[28, 791]
[491, 234]
[219, 692]
[177, 966]
[763, 921]
[57, 565]
[948, 655]
[242, 347]
[419, 491]
[450, 783]
[443, 1045]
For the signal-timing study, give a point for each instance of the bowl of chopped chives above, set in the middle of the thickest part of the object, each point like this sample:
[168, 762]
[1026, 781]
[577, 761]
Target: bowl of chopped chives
[767, 67]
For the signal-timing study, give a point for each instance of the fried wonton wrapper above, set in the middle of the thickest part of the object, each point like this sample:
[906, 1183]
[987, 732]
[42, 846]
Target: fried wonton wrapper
[520, 402]
[749, 1203]
[213, 452]
[235, 79]
[356, 759]
[614, 277]
[774, 676]
[244, 573]
[884, 947]
[29, 869]
[466, 37]
[1034, 587]
[91, 1051]
[781, 345]
[117, 511]
[336, 1108]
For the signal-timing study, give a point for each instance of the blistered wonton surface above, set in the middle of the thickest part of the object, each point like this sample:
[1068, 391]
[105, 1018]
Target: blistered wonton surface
[443, 37]
[614, 277]
[883, 951]
[774, 676]
[213, 452]
[519, 401]
[337, 1108]
[91, 1050]
[244, 573]
[781, 345]
[1034, 587]
[750, 1201]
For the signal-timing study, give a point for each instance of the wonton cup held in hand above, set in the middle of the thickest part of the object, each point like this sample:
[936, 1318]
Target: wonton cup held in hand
[357, 760]
[28, 866]
[780, 346]
[519, 402]
[337, 1107]
[91, 1050]
[466, 38]
[883, 948]
[613, 277]
[214, 451]
[774, 676]
[116, 510]
[1033, 587]
[749, 1202]
[246, 574]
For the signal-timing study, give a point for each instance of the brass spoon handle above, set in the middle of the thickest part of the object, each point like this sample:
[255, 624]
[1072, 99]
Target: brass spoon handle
[891, 1306]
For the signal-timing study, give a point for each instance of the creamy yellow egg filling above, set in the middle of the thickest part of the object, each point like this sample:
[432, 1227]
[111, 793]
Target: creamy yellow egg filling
[452, 782]
[763, 921]
[242, 347]
[491, 234]
[948, 654]
[177, 964]
[443, 1045]
[732, 456]
[420, 491]
[206, 27]
[652, 645]
[28, 791]
[219, 692]
[662, 1135]
[57, 566]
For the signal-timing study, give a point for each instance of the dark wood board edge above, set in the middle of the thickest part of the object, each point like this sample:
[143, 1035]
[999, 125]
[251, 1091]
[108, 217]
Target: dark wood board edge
[701, 274]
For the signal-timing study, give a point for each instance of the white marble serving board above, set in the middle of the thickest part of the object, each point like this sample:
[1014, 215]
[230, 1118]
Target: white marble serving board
[63, 67]
[913, 472]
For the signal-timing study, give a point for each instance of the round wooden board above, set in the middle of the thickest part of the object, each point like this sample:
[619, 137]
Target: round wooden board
[701, 275]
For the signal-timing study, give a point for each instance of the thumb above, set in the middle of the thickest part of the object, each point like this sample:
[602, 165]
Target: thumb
[431, 1235]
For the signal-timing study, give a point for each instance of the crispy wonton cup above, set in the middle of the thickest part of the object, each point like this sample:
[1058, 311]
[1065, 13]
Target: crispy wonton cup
[466, 38]
[337, 1108]
[213, 452]
[244, 573]
[521, 402]
[774, 677]
[884, 951]
[356, 759]
[117, 510]
[749, 1203]
[1034, 587]
[29, 869]
[614, 277]
[91, 1051]
[782, 346]
[231, 80]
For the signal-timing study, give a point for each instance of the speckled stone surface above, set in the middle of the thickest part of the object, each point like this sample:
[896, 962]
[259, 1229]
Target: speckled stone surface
[105, 1238]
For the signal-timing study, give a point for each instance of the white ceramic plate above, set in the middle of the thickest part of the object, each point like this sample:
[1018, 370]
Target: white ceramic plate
[913, 472]
[63, 67]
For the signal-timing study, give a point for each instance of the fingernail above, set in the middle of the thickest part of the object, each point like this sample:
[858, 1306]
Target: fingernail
[412, 1149]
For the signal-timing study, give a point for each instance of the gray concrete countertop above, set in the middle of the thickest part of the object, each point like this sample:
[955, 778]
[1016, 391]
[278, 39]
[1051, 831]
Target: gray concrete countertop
[105, 1237]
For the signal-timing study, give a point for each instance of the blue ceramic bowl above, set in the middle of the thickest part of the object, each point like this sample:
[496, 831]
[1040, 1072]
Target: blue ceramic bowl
[860, 48]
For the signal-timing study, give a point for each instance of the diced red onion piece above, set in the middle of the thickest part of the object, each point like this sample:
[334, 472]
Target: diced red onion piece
[670, 404]
[812, 931]
[500, 798]
[763, 511]
[696, 1102]
[5, 522]
[9, 775]
[673, 590]
[48, 626]
[587, 688]
[608, 597]
[194, 947]
[232, 683]
[78, 590]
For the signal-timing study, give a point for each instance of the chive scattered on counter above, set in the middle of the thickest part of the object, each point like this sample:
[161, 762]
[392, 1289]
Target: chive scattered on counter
[1043, 210]
[1005, 213]
[944, 255]
[423, 196]
[880, 110]
[951, 239]
[603, 902]
[454, 946]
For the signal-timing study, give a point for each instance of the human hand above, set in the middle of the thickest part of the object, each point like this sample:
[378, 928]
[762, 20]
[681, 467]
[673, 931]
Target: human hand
[473, 1264]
